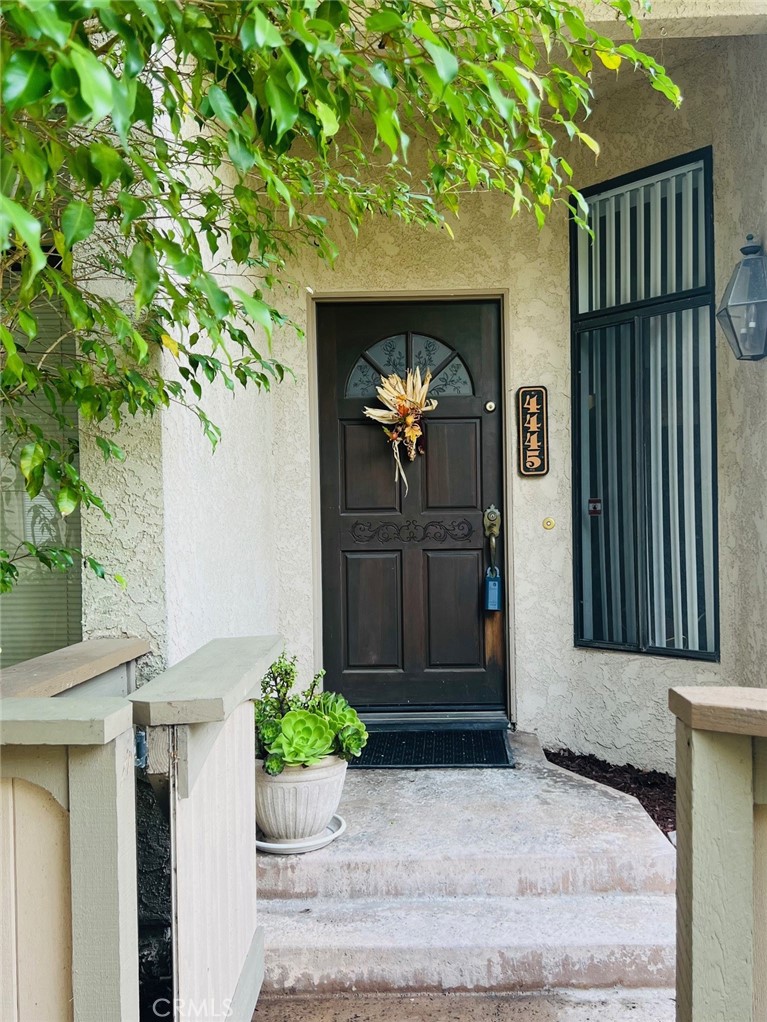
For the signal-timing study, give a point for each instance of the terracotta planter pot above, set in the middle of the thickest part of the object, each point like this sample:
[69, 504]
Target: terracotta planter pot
[299, 802]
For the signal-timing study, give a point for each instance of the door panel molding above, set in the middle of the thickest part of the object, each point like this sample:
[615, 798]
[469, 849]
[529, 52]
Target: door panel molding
[430, 611]
[314, 300]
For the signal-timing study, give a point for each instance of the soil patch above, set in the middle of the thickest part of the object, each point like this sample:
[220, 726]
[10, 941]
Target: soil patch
[655, 791]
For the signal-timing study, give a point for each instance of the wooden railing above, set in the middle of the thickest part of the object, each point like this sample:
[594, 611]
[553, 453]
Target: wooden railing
[721, 854]
[69, 937]
[201, 737]
[68, 893]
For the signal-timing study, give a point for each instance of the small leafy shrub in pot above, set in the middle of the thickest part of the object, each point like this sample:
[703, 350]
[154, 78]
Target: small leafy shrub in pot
[300, 729]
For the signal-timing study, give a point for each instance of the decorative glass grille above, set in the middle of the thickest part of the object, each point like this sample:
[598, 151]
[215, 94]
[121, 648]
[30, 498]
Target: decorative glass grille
[397, 354]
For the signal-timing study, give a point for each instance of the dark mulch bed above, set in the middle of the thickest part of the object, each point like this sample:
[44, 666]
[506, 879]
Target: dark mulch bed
[654, 790]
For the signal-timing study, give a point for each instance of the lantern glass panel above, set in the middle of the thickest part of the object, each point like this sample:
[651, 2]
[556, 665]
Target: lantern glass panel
[743, 311]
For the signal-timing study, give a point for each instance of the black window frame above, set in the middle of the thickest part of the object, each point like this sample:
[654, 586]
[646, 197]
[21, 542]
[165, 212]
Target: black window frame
[638, 314]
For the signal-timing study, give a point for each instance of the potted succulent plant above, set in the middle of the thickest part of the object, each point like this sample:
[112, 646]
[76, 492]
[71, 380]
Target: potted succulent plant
[303, 743]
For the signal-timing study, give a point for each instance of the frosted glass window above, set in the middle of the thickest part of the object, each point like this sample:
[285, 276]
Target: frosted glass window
[428, 352]
[453, 380]
[400, 352]
[390, 355]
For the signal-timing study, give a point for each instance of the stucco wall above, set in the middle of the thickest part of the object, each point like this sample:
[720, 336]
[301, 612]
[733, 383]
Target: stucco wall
[131, 542]
[219, 547]
[611, 704]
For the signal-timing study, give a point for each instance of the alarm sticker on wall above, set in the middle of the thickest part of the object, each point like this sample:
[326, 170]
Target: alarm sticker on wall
[533, 428]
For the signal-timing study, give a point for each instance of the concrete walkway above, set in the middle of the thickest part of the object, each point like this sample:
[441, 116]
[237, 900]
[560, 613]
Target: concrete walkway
[474, 880]
[609, 1006]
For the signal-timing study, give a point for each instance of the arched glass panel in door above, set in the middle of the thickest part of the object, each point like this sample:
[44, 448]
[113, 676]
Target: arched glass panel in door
[400, 352]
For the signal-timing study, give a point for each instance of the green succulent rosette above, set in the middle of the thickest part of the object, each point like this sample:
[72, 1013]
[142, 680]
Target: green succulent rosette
[350, 733]
[351, 740]
[274, 764]
[337, 711]
[304, 738]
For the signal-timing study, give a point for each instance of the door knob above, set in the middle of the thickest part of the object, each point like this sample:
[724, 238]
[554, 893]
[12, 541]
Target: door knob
[491, 520]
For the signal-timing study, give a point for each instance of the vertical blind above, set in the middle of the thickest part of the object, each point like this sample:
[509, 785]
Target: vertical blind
[645, 487]
[608, 452]
[648, 241]
[44, 611]
[679, 430]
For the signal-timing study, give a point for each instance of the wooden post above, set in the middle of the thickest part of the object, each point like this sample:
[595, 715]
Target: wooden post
[104, 898]
[760, 878]
[715, 888]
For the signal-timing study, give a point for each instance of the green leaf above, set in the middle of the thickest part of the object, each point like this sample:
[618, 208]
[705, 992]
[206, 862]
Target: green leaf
[588, 140]
[95, 82]
[444, 61]
[77, 222]
[384, 21]
[28, 323]
[283, 107]
[257, 310]
[25, 79]
[241, 155]
[387, 127]
[107, 161]
[31, 457]
[143, 263]
[67, 500]
[381, 74]
[222, 106]
[27, 228]
[328, 118]
[258, 32]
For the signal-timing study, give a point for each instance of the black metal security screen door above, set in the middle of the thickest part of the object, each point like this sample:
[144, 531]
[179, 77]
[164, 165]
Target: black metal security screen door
[404, 625]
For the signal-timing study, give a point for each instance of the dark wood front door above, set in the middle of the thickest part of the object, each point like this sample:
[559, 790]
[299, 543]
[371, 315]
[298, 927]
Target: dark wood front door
[404, 623]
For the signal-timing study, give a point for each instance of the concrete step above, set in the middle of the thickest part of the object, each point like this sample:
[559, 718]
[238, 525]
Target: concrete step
[468, 944]
[506, 874]
[556, 1006]
[537, 830]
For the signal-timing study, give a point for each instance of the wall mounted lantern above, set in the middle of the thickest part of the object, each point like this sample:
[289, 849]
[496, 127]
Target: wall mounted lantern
[742, 313]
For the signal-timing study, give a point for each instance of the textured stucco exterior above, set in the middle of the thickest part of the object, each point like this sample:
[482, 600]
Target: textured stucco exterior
[231, 548]
[671, 19]
[221, 574]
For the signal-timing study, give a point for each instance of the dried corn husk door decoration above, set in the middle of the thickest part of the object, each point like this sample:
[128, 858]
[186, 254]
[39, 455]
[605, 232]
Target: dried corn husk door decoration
[405, 405]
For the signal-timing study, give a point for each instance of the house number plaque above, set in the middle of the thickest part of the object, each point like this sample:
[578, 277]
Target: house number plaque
[533, 429]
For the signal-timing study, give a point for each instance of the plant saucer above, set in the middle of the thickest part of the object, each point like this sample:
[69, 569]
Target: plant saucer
[334, 829]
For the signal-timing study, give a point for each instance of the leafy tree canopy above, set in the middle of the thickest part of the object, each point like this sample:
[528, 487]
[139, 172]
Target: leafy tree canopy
[183, 146]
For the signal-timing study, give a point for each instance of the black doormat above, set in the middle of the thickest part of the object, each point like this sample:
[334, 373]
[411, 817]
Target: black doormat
[440, 749]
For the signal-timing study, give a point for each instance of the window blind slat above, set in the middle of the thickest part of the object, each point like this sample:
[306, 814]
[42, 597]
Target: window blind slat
[669, 215]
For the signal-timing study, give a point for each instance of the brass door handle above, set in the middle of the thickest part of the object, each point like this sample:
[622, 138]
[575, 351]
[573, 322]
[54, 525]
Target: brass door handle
[491, 520]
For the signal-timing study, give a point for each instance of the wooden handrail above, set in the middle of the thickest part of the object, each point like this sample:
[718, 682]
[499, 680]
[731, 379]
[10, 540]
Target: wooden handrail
[721, 794]
[726, 709]
[56, 672]
[86, 720]
[208, 685]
